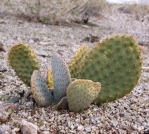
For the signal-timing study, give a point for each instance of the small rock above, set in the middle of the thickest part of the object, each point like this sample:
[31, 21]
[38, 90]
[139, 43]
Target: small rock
[140, 128]
[28, 127]
[35, 39]
[4, 129]
[31, 41]
[20, 22]
[46, 43]
[146, 132]
[16, 130]
[3, 69]
[14, 100]
[42, 53]
[2, 47]
[80, 128]
[2, 22]
[4, 116]
[94, 129]
[5, 106]
[29, 104]
[114, 123]
[88, 129]
[1, 102]
[46, 132]
[121, 114]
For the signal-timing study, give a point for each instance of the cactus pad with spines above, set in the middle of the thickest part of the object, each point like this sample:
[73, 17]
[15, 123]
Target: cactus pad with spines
[49, 79]
[78, 58]
[61, 77]
[41, 93]
[81, 93]
[116, 63]
[22, 59]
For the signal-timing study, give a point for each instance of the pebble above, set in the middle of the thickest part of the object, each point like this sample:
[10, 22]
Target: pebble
[28, 127]
[5, 129]
[4, 116]
[114, 122]
[121, 114]
[16, 129]
[29, 104]
[94, 128]
[3, 69]
[2, 47]
[46, 132]
[80, 128]
[88, 129]
[14, 99]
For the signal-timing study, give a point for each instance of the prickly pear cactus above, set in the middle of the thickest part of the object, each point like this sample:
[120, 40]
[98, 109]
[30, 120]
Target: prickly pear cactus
[49, 79]
[41, 93]
[22, 59]
[63, 104]
[78, 58]
[81, 93]
[116, 63]
[61, 77]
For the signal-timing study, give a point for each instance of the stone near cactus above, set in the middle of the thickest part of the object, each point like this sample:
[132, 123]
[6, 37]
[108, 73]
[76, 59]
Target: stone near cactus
[49, 79]
[41, 93]
[2, 47]
[61, 77]
[22, 59]
[78, 58]
[63, 104]
[81, 93]
[116, 63]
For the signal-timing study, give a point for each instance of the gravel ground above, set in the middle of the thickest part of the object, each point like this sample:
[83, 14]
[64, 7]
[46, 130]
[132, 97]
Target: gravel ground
[129, 115]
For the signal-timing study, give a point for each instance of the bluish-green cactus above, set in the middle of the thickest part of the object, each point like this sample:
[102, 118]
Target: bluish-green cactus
[41, 93]
[61, 77]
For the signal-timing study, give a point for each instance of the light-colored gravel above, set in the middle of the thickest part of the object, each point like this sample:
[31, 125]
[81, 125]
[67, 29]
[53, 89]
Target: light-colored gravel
[129, 115]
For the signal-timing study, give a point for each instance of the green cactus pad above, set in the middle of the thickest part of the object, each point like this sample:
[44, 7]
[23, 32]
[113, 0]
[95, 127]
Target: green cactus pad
[81, 93]
[78, 58]
[61, 77]
[41, 93]
[63, 104]
[22, 59]
[116, 63]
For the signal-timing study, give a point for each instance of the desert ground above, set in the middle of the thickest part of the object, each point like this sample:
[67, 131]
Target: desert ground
[128, 115]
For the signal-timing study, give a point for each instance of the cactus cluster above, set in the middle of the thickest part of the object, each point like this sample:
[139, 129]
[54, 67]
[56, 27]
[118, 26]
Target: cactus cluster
[107, 72]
